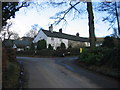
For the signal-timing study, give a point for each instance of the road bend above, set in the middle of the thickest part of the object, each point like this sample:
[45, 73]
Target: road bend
[56, 73]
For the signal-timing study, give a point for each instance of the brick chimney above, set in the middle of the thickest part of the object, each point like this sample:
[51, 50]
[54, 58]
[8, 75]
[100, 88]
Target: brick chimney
[77, 34]
[60, 30]
[51, 28]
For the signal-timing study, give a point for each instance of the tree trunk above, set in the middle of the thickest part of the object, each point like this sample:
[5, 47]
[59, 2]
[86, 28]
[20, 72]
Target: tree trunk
[117, 18]
[91, 25]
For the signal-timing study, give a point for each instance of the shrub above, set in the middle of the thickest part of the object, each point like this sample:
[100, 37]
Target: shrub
[50, 47]
[25, 52]
[101, 56]
[70, 47]
[45, 52]
[63, 46]
[32, 46]
[41, 44]
[91, 57]
[74, 51]
[108, 42]
[58, 48]
[112, 57]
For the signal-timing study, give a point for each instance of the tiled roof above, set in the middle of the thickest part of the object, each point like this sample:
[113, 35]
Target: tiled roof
[22, 43]
[65, 36]
[18, 43]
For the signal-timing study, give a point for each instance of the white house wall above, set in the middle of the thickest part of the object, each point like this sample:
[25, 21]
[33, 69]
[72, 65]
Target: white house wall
[87, 44]
[56, 42]
[41, 35]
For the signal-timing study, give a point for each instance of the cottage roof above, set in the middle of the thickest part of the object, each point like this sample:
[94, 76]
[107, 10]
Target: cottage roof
[65, 36]
[18, 43]
[22, 43]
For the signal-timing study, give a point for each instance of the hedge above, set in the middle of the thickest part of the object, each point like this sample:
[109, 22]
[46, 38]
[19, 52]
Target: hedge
[49, 52]
[101, 56]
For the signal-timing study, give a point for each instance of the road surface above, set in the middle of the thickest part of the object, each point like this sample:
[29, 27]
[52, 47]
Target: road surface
[59, 73]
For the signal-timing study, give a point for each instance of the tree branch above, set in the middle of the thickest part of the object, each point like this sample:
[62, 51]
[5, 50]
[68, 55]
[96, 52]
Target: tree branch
[64, 13]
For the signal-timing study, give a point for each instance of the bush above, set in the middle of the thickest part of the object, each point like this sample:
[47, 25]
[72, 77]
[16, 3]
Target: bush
[112, 57]
[91, 57]
[41, 44]
[25, 52]
[45, 52]
[61, 52]
[32, 46]
[108, 42]
[74, 51]
[101, 56]
[58, 48]
[50, 47]
[63, 46]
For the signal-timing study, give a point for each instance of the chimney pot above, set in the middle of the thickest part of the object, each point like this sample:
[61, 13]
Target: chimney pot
[77, 34]
[51, 28]
[60, 30]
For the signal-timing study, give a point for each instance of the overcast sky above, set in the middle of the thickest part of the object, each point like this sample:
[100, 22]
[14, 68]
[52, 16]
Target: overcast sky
[26, 17]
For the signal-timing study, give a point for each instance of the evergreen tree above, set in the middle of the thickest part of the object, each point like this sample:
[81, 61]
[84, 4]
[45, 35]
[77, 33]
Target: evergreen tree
[41, 44]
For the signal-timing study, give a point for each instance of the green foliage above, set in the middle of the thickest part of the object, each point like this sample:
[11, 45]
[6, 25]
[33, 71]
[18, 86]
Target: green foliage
[91, 57]
[45, 52]
[50, 47]
[10, 77]
[101, 56]
[41, 44]
[63, 46]
[58, 48]
[112, 57]
[23, 53]
[108, 42]
[32, 47]
[70, 47]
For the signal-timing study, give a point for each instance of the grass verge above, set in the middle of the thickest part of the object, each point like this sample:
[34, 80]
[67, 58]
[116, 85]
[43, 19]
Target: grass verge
[104, 70]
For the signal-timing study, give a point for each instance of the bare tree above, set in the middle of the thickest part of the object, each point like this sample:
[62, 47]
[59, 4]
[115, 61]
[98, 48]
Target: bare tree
[112, 8]
[15, 36]
[7, 34]
[31, 33]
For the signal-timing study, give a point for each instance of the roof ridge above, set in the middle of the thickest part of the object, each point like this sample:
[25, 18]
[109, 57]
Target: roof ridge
[64, 35]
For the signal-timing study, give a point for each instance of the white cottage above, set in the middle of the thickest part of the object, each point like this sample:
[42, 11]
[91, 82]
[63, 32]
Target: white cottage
[56, 38]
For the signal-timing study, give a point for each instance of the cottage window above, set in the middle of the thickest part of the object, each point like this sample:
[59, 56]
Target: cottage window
[60, 40]
[52, 38]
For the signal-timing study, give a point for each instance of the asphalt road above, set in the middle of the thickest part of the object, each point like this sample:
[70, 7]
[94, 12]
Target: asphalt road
[61, 73]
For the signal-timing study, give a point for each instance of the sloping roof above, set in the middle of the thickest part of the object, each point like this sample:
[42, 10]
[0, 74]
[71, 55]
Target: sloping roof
[65, 36]
[21, 43]
[18, 43]
[27, 38]
[7, 43]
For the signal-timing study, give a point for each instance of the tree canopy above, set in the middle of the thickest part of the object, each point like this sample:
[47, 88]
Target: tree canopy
[9, 9]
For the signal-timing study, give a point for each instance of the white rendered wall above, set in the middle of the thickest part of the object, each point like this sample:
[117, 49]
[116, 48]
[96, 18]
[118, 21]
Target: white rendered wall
[56, 42]
[41, 35]
[87, 44]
